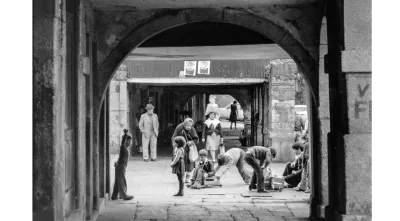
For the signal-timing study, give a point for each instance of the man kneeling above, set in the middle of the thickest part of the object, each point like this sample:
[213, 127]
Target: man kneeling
[265, 156]
[202, 171]
[234, 156]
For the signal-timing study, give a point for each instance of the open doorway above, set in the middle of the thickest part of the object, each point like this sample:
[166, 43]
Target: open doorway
[266, 90]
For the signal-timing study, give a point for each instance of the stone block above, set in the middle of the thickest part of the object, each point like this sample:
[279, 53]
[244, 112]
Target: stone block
[357, 61]
[357, 24]
[359, 101]
[358, 173]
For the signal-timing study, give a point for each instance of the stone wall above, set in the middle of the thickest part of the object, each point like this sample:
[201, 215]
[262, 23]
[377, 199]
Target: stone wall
[119, 112]
[282, 101]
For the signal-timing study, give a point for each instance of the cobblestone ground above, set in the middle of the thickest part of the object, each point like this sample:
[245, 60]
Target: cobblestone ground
[153, 185]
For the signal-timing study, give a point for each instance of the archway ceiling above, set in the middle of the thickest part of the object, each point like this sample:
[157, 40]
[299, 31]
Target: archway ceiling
[231, 52]
[154, 4]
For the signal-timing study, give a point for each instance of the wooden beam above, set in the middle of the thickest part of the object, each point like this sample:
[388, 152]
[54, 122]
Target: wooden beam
[232, 52]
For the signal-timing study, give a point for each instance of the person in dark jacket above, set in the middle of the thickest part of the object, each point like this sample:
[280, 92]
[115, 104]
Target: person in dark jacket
[120, 185]
[293, 170]
[234, 113]
[265, 156]
[203, 170]
[187, 131]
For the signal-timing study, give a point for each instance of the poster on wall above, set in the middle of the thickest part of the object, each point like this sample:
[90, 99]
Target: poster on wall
[190, 68]
[204, 67]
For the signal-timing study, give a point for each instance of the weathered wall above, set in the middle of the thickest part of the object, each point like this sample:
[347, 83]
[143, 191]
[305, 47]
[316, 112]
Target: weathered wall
[349, 59]
[118, 108]
[48, 72]
[282, 90]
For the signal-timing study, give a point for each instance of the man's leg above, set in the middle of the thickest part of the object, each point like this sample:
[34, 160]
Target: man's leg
[293, 179]
[243, 173]
[253, 163]
[114, 194]
[120, 176]
[288, 170]
[145, 143]
[153, 146]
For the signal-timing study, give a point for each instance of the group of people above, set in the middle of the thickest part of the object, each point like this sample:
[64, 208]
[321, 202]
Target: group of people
[194, 173]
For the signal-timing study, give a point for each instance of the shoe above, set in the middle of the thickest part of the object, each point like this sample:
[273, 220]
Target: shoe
[178, 194]
[262, 191]
[252, 187]
[114, 198]
[153, 160]
[128, 198]
[146, 160]
[298, 189]
[307, 191]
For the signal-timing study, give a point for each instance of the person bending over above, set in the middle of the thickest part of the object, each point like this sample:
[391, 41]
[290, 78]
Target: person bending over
[265, 156]
[234, 156]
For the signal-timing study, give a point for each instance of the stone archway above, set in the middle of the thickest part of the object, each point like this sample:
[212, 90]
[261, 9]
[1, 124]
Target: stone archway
[289, 40]
[281, 35]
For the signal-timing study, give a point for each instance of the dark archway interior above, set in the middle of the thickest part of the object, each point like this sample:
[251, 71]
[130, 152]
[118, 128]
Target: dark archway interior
[206, 34]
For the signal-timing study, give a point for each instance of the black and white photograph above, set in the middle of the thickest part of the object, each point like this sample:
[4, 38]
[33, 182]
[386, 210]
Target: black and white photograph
[230, 110]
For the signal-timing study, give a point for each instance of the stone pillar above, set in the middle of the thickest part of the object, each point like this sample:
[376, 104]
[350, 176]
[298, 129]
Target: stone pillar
[282, 108]
[265, 113]
[118, 108]
[48, 72]
[324, 118]
[261, 116]
[349, 67]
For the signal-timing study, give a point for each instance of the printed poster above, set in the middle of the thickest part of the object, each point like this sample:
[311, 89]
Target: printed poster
[190, 68]
[204, 67]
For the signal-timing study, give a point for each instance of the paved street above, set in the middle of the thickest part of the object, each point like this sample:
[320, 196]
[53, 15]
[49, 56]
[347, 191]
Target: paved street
[153, 185]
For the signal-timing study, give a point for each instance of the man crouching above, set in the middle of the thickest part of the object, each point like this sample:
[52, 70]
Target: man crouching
[265, 156]
[202, 171]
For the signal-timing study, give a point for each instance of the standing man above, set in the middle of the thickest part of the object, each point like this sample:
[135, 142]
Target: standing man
[149, 127]
[265, 156]
[120, 169]
[234, 156]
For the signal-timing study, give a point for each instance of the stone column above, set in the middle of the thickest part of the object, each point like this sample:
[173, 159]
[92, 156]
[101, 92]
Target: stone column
[282, 108]
[49, 40]
[261, 116]
[324, 118]
[349, 67]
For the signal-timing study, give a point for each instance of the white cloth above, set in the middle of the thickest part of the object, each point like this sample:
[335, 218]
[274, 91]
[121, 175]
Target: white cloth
[214, 122]
[213, 142]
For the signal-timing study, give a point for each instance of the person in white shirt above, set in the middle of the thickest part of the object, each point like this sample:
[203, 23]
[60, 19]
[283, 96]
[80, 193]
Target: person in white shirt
[234, 156]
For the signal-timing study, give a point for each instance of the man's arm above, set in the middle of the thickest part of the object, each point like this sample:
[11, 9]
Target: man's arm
[141, 124]
[221, 170]
[268, 160]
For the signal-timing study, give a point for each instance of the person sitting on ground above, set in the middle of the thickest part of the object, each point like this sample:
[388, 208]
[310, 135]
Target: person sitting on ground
[265, 156]
[203, 170]
[293, 170]
[234, 156]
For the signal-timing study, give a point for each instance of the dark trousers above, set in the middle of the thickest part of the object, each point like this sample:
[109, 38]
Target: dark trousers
[257, 172]
[180, 180]
[120, 182]
[291, 179]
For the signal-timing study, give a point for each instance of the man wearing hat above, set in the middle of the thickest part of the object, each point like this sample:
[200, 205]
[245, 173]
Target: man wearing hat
[148, 125]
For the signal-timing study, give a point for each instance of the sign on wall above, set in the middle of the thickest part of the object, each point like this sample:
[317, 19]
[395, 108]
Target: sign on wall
[190, 68]
[204, 67]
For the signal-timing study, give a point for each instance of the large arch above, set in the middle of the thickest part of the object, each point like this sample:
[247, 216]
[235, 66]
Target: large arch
[289, 40]
[283, 37]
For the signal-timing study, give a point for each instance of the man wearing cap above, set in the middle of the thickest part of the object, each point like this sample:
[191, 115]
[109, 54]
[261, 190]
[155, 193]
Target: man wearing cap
[148, 125]
[265, 156]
